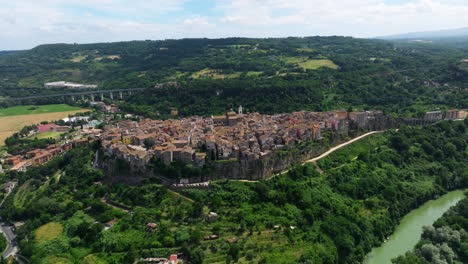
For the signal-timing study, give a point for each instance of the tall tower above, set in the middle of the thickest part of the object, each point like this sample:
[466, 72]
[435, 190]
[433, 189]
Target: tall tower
[239, 111]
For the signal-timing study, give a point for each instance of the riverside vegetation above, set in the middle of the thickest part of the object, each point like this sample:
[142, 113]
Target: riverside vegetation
[332, 215]
[446, 241]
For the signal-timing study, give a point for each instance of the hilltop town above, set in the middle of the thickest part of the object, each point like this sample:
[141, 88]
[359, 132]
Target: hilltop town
[234, 144]
[242, 138]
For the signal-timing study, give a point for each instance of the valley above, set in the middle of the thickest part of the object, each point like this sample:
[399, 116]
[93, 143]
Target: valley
[237, 150]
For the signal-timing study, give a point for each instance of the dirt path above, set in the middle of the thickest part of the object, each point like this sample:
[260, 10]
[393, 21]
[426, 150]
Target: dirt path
[340, 146]
[324, 154]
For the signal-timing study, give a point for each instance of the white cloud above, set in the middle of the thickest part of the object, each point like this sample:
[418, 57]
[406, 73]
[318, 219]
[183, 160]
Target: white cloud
[26, 23]
[363, 18]
[196, 21]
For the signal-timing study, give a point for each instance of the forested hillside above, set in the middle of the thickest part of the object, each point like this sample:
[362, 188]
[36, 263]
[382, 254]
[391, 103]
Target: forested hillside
[267, 75]
[334, 214]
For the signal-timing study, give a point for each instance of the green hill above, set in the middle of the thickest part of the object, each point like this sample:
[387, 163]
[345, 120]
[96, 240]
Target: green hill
[316, 73]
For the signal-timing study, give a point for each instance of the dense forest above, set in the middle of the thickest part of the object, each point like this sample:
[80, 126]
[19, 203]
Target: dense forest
[446, 241]
[334, 211]
[267, 75]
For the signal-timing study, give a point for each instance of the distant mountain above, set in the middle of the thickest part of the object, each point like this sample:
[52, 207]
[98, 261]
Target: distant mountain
[7, 52]
[449, 33]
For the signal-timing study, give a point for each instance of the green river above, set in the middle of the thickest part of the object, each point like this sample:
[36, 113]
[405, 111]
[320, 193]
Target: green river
[409, 231]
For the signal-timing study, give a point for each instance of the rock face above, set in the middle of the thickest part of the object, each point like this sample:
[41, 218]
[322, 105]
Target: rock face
[119, 170]
[122, 169]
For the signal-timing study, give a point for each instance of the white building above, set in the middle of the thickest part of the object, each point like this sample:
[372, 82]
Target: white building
[63, 84]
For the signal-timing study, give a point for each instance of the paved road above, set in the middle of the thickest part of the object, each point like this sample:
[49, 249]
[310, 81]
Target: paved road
[10, 236]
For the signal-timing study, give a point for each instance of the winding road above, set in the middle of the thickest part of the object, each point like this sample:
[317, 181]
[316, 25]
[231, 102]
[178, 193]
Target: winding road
[328, 152]
[340, 146]
[10, 236]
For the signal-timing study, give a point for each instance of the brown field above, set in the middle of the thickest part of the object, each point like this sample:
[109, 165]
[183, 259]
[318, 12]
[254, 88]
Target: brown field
[11, 124]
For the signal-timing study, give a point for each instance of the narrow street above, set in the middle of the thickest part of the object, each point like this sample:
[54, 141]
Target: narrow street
[10, 236]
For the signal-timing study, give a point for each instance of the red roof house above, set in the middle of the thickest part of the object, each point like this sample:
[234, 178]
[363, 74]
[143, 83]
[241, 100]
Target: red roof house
[46, 128]
[173, 259]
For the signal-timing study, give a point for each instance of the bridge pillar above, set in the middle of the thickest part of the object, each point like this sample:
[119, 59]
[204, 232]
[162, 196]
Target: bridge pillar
[73, 98]
[92, 97]
[102, 97]
[130, 92]
[82, 98]
[121, 96]
[112, 96]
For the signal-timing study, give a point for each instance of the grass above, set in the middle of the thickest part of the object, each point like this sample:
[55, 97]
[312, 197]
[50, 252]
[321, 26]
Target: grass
[24, 194]
[253, 73]
[41, 109]
[48, 231]
[305, 49]
[66, 73]
[315, 64]
[111, 57]
[28, 82]
[53, 135]
[58, 260]
[79, 58]
[309, 64]
[93, 259]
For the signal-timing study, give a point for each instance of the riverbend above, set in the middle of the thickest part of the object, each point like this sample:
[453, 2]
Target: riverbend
[409, 231]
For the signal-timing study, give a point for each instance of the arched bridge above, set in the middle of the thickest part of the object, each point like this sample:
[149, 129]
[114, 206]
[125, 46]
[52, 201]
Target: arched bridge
[91, 94]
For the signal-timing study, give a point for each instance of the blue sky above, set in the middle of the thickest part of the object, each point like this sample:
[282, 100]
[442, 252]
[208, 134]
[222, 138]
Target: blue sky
[28, 23]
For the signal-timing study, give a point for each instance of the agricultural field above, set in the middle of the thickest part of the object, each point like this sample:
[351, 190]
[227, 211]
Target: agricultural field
[309, 64]
[110, 57]
[41, 109]
[79, 58]
[14, 118]
[215, 74]
[315, 64]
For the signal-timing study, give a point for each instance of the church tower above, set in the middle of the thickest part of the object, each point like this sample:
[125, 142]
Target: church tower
[239, 111]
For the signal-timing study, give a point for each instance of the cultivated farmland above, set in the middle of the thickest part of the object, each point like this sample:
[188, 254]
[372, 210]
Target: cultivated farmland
[14, 118]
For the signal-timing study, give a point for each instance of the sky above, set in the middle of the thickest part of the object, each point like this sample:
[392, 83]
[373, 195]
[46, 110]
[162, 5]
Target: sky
[25, 24]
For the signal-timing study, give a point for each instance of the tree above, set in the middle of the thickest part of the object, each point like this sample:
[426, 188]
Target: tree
[149, 143]
[399, 143]
[234, 252]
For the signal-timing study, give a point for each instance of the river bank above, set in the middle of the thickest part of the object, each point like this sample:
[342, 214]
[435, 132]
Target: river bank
[409, 231]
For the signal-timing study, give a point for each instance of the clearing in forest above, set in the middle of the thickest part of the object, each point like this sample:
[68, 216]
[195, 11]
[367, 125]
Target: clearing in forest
[310, 64]
[215, 74]
[48, 231]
